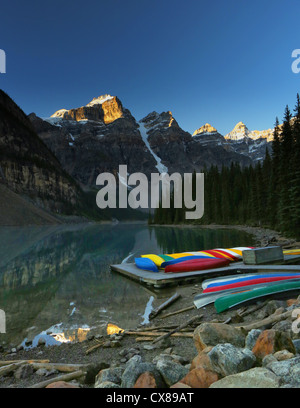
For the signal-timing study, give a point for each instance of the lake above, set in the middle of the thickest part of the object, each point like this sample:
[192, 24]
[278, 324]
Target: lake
[57, 279]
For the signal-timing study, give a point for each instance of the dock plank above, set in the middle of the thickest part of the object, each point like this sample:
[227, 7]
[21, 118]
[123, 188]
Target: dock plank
[161, 279]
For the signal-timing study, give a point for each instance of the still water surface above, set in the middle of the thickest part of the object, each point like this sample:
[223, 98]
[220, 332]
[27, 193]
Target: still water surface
[57, 279]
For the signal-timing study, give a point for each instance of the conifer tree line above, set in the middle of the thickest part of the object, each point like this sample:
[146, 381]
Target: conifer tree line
[266, 195]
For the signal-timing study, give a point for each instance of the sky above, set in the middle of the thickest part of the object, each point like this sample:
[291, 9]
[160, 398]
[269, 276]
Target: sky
[214, 61]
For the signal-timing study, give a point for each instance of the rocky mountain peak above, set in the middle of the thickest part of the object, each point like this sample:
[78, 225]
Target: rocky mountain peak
[162, 120]
[240, 131]
[104, 108]
[100, 100]
[207, 128]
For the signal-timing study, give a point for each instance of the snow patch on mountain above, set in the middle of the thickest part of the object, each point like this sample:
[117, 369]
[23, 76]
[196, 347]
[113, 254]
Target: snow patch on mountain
[143, 131]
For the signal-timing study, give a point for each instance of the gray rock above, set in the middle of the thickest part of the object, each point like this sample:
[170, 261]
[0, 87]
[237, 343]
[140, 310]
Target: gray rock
[268, 359]
[254, 378]
[113, 375]
[93, 370]
[171, 357]
[211, 334]
[228, 359]
[134, 368]
[107, 384]
[170, 371]
[149, 347]
[287, 370]
[251, 338]
[273, 305]
[296, 343]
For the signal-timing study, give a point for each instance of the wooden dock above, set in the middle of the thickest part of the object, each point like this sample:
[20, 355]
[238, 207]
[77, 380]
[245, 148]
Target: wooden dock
[161, 279]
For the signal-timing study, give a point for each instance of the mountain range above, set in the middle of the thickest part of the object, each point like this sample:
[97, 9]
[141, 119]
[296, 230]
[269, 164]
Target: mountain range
[103, 134]
[53, 162]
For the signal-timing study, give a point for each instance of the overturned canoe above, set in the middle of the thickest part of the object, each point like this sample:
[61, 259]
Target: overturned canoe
[230, 300]
[197, 265]
[244, 282]
[242, 276]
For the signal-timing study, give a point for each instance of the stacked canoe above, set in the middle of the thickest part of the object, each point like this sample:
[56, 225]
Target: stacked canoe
[190, 261]
[231, 291]
[224, 292]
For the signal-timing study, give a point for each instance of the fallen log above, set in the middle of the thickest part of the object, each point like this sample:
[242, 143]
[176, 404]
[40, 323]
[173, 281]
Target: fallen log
[90, 350]
[5, 363]
[182, 326]
[264, 322]
[163, 306]
[64, 368]
[66, 377]
[178, 311]
[10, 368]
[153, 328]
[157, 334]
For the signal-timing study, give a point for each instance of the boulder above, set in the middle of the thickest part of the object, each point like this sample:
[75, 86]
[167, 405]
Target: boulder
[62, 384]
[251, 338]
[227, 359]
[146, 380]
[287, 370]
[283, 355]
[113, 375]
[180, 385]
[200, 378]
[271, 341]
[134, 368]
[202, 360]
[211, 334]
[254, 378]
[107, 384]
[170, 371]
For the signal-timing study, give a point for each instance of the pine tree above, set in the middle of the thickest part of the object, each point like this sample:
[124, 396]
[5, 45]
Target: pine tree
[284, 209]
[295, 173]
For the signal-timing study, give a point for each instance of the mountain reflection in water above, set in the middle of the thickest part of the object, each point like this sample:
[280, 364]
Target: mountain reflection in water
[56, 283]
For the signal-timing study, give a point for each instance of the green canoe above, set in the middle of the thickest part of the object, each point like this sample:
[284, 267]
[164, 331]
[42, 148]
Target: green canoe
[228, 301]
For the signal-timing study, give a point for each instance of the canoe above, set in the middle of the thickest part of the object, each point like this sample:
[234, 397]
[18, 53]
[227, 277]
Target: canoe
[233, 254]
[204, 299]
[184, 259]
[241, 276]
[146, 264]
[197, 265]
[252, 281]
[230, 300]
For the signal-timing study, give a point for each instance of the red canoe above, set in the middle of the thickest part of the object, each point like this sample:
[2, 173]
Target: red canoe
[197, 265]
[255, 281]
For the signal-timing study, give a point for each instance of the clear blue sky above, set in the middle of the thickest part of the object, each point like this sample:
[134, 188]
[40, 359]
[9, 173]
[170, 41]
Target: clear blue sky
[207, 61]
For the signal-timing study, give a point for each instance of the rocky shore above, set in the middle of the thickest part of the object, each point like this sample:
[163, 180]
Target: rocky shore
[256, 346]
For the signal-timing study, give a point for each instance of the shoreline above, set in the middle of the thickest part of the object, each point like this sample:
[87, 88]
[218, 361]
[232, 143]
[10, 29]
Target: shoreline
[263, 236]
[116, 351]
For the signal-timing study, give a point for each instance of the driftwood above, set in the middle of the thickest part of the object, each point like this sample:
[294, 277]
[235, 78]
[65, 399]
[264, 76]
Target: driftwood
[66, 377]
[5, 363]
[252, 309]
[153, 328]
[182, 326]
[268, 320]
[9, 368]
[90, 350]
[157, 334]
[163, 306]
[178, 311]
[64, 368]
